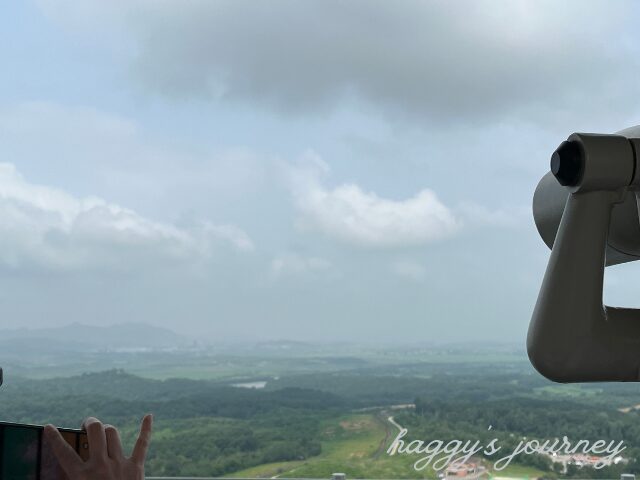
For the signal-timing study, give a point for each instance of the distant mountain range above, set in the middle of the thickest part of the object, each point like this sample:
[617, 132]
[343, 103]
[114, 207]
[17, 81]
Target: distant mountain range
[77, 336]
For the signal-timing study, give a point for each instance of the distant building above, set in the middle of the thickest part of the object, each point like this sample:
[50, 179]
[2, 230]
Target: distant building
[461, 470]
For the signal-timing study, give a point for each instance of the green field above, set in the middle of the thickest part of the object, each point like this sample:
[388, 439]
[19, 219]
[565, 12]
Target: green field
[352, 444]
[356, 445]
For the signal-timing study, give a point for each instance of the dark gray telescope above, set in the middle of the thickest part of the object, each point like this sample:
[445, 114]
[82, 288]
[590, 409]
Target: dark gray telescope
[586, 211]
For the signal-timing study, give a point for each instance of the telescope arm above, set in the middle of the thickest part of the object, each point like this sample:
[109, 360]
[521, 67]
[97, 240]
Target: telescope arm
[573, 337]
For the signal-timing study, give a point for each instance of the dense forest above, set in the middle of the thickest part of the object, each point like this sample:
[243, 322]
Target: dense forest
[201, 427]
[212, 428]
[512, 420]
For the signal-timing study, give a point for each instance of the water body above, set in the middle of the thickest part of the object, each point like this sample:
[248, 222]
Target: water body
[250, 385]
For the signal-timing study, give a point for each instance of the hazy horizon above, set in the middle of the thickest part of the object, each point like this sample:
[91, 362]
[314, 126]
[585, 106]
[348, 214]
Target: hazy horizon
[25, 332]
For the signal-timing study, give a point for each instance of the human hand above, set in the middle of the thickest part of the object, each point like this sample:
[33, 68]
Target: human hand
[106, 459]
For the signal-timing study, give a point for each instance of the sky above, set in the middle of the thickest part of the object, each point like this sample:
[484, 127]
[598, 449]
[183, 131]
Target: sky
[313, 170]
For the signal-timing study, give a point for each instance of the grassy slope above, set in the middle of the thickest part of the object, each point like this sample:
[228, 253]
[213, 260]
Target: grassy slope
[354, 445]
[350, 444]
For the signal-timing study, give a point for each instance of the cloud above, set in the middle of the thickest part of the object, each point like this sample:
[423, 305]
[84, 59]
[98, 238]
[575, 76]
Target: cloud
[439, 60]
[350, 214]
[48, 227]
[295, 264]
[408, 269]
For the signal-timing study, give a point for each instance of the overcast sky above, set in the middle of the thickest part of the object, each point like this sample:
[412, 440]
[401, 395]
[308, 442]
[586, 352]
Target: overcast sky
[309, 170]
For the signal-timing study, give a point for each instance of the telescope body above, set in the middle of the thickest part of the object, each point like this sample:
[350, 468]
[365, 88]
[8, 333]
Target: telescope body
[586, 211]
[550, 199]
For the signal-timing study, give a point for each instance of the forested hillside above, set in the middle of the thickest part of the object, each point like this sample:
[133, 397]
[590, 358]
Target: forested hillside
[304, 424]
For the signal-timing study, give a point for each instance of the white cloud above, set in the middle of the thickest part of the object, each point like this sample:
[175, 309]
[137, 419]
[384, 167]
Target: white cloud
[46, 226]
[295, 264]
[351, 214]
[409, 269]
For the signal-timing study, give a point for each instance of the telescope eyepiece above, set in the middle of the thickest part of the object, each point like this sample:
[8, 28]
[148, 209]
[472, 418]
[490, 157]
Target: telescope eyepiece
[567, 163]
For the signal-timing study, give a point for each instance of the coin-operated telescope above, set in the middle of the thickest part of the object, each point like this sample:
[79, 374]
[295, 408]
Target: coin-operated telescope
[586, 211]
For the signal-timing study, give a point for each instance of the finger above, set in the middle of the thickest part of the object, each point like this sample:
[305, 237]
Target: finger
[96, 436]
[144, 439]
[67, 457]
[114, 445]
